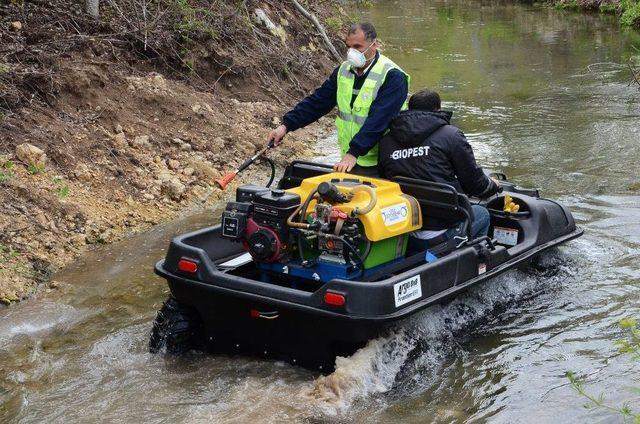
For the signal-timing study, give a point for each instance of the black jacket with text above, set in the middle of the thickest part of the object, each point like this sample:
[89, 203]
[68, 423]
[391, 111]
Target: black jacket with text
[424, 145]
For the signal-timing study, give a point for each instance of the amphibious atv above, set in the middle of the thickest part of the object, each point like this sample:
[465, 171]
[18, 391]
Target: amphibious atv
[318, 266]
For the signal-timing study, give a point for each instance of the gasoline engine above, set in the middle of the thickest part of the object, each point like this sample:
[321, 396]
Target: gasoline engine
[331, 226]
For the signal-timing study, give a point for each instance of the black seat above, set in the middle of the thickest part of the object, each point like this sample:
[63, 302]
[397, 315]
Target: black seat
[298, 170]
[440, 202]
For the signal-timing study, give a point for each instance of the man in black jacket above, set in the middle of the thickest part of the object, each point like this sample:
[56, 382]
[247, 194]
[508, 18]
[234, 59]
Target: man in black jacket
[422, 144]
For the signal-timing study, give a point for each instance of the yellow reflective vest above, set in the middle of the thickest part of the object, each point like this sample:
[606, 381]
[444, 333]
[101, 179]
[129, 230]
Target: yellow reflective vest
[351, 119]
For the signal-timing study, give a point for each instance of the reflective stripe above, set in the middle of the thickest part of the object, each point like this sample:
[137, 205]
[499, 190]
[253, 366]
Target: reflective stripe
[386, 68]
[415, 209]
[344, 71]
[375, 77]
[372, 77]
[359, 120]
[400, 245]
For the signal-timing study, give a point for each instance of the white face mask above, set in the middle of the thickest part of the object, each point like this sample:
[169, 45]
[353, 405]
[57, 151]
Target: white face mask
[356, 58]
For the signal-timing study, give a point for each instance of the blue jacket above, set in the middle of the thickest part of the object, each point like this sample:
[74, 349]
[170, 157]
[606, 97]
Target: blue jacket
[385, 107]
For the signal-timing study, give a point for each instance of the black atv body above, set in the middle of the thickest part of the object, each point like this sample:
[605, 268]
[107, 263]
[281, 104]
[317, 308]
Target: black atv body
[237, 313]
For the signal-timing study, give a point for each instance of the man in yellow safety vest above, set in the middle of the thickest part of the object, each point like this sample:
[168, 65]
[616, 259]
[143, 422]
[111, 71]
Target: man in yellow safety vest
[369, 91]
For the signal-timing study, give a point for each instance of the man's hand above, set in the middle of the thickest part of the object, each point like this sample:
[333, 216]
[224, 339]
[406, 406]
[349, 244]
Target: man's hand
[277, 135]
[346, 164]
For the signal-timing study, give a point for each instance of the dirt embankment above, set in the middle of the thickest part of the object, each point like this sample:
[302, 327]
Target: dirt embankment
[105, 132]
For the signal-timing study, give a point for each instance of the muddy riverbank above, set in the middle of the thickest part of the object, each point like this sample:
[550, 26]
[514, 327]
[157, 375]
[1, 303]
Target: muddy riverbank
[102, 137]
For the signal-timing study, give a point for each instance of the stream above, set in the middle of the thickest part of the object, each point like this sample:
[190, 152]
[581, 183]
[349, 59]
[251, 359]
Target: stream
[544, 96]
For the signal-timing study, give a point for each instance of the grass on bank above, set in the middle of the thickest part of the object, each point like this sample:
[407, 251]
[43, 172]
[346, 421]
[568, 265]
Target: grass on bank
[630, 13]
[628, 10]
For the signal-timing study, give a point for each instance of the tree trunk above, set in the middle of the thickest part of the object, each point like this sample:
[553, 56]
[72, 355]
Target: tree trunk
[93, 8]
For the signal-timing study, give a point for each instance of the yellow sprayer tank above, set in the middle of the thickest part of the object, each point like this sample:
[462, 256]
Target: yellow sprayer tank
[394, 215]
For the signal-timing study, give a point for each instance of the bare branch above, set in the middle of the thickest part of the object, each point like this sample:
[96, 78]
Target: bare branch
[320, 28]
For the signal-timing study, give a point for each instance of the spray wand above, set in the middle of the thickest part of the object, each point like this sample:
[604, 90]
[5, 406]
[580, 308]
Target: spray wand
[226, 179]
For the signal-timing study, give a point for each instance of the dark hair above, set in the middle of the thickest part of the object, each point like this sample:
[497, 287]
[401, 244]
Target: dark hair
[425, 99]
[367, 28]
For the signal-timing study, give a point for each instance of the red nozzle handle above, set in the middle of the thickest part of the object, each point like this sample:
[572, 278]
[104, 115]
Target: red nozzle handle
[224, 181]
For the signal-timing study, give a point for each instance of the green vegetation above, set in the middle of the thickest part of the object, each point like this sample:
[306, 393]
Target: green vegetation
[629, 345]
[63, 192]
[192, 22]
[608, 8]
[7, 258]
[567, 5]
[194, 19]
[6, 171]
[6, 252]
[4, 68]
[62, 189]
[630, 12]
[35, 168]
[334, 23]
[13, 263]
[172, 29]
[632, 343]
[364, 3]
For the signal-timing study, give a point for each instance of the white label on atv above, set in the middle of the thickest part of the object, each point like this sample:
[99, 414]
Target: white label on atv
[394, 214]
[407, 290]
[507, 236]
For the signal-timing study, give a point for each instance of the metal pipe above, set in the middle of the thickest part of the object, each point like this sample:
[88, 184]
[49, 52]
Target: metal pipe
[372, 202]
[291, 223]
[302, 209]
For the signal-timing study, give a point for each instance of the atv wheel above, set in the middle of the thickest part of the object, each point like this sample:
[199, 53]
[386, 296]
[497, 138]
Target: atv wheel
[176, 328]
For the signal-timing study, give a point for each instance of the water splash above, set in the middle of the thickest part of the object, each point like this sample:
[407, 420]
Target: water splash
[370, 370]
[402, 360]
[31, 319]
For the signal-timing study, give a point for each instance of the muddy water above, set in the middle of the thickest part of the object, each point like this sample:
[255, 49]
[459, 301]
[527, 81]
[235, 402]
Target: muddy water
[543, 96]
